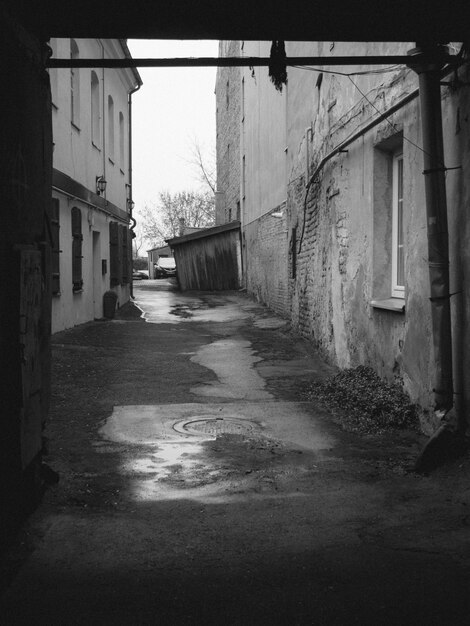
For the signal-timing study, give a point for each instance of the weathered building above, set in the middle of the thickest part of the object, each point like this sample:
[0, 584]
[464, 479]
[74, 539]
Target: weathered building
[90, 219]
[334, 211]
[228, 98]
[26, 157]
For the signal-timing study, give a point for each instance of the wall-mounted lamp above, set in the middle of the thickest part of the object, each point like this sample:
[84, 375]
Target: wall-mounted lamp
[100, 185]
[130, 204]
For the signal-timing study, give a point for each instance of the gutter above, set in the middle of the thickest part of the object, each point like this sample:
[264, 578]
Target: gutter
[449, 439]
[138, 85]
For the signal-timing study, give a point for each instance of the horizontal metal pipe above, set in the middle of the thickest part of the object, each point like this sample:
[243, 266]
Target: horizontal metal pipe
[230, 61]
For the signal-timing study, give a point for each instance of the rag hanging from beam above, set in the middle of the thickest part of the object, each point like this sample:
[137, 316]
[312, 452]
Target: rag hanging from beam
[277, 64]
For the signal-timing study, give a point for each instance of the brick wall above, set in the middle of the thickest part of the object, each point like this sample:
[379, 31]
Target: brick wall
[266, 254]
[228, 98]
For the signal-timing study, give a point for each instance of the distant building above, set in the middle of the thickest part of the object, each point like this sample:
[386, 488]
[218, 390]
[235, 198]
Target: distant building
[229, 99]
[157, 253]
[90, 222]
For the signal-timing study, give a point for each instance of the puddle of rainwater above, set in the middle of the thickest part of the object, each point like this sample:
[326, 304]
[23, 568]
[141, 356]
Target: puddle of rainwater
[232, 361]
[166, 455]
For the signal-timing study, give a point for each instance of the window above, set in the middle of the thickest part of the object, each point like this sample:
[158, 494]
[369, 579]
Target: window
[55, 247]
[243, 100]
[125, 254]
[110, 128]
[114, 256]
[53, 74]
[119, 253]
[77, 239]
[388, 286]
[95, 109]
[74, 86]
[398, 251]
[121, 141]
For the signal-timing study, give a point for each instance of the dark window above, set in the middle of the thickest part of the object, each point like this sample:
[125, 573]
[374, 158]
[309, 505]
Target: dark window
[55, 246]
[114, 256]
[77, 239]
[125, 254]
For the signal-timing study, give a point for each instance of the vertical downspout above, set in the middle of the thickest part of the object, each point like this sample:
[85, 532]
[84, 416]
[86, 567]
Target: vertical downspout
[428, 63]
[129, 148]
[104, 116]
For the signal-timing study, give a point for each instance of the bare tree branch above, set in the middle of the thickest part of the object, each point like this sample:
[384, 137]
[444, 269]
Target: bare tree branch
[204, 164]
[161, 220]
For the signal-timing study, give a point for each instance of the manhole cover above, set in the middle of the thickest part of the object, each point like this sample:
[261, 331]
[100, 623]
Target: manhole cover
[215, 426]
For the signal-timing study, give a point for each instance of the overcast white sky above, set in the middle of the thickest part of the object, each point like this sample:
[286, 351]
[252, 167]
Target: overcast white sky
[172, 107]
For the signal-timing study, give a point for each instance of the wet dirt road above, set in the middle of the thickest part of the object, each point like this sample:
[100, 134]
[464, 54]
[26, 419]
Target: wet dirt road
[196, 487]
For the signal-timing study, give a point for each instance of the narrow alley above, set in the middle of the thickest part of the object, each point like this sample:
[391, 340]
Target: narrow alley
[198, 485]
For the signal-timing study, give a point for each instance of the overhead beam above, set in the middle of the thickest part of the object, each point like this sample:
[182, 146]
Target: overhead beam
[232, 61]
[293, 20]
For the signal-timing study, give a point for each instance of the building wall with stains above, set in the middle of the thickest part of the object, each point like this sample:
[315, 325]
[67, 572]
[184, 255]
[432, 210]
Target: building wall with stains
[228, 118]
[91, 139]
[338, 254]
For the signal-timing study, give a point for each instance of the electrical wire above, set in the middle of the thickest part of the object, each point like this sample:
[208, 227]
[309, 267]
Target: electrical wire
[387, 120]
[390, 68]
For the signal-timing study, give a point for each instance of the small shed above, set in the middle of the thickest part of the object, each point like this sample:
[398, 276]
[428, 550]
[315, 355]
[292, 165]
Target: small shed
[210, 259]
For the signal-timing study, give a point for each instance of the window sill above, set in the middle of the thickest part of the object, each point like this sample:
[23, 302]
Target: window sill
[389, 304]
[77, 291]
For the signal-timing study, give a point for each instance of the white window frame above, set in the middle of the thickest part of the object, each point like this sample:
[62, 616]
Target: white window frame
[95, 110]
[111, 128]
[398, 290]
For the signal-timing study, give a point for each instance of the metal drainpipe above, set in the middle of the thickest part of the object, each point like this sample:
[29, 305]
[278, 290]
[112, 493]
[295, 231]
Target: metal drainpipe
[428, 62]
[103, 129]
[129, 148]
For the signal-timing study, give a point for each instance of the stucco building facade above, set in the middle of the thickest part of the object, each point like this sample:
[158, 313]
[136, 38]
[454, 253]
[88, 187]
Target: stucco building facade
[89, 227]
[228, 98]
[335, 240]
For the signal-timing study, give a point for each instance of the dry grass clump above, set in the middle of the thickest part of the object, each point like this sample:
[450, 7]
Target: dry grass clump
[368, 404]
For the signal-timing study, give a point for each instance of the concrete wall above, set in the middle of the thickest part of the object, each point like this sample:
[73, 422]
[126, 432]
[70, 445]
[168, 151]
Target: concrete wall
[341, 261]
[228, 99]
[82, 156]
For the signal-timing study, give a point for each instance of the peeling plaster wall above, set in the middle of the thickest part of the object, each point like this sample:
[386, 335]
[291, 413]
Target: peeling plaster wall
[344, 261]
[341, 260]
